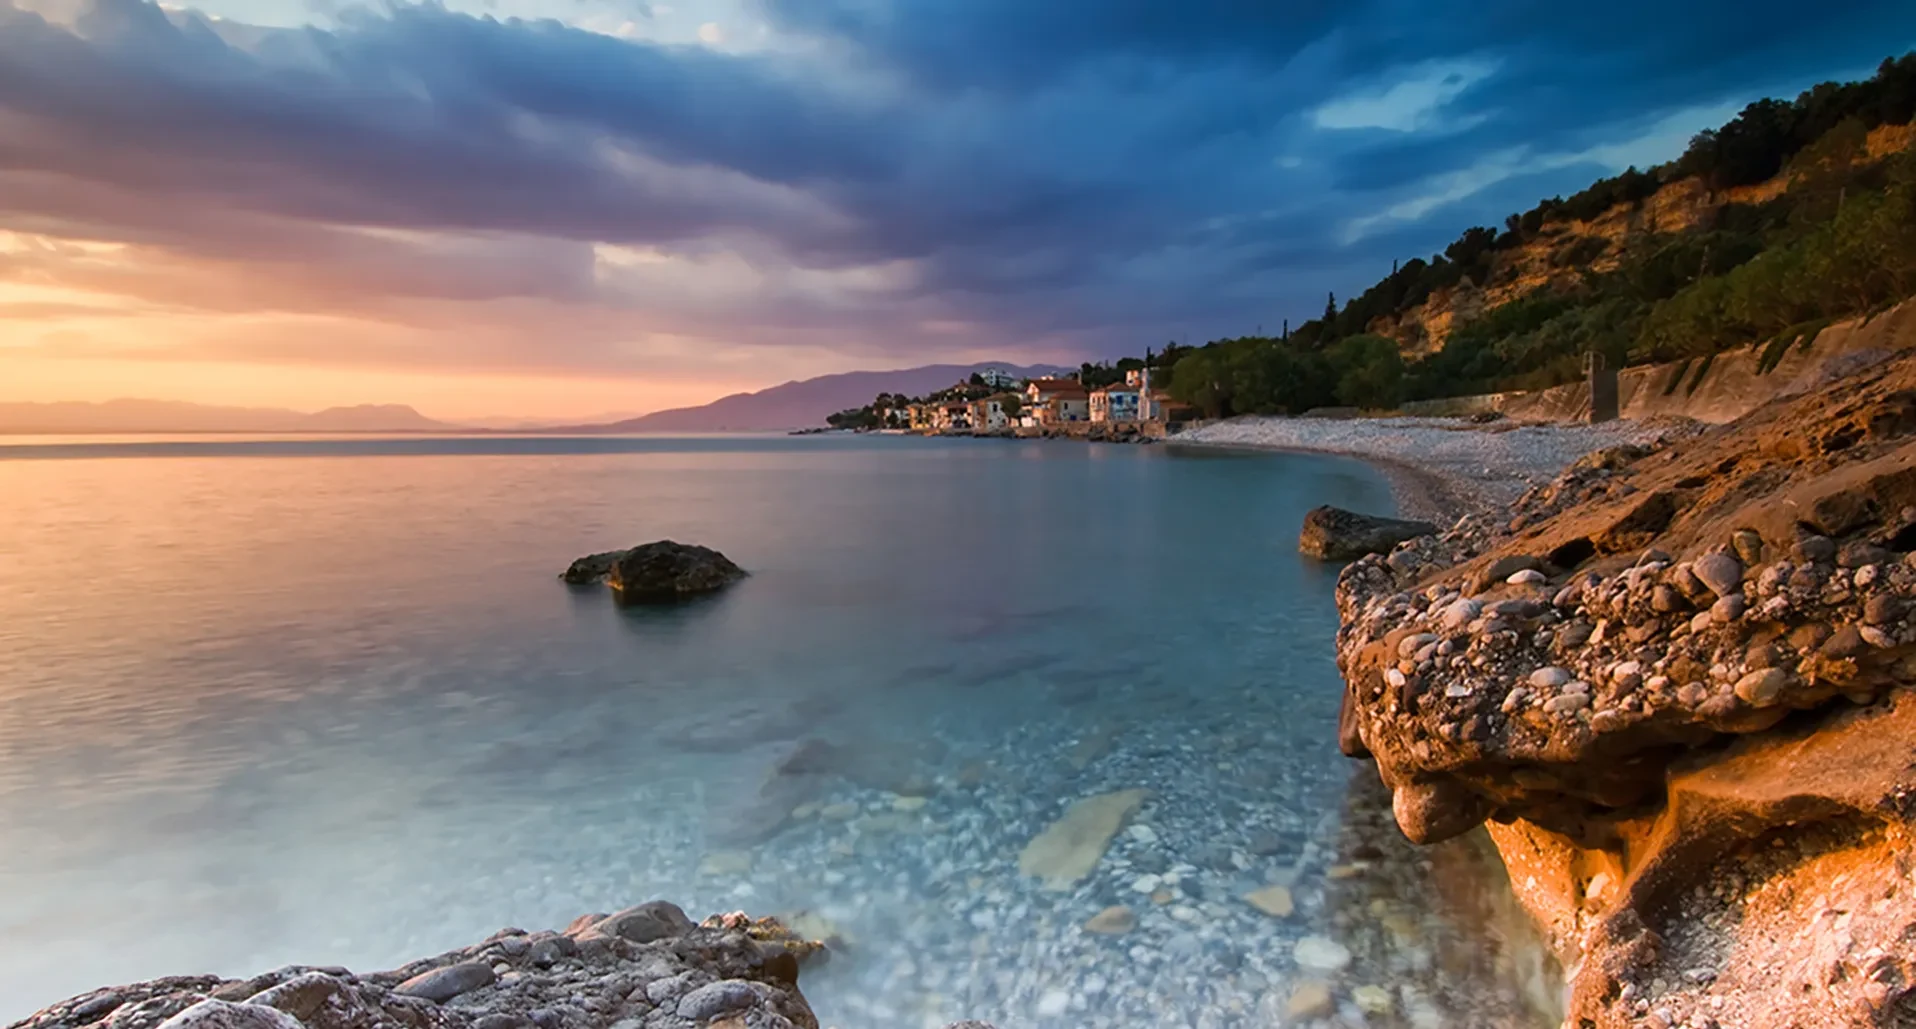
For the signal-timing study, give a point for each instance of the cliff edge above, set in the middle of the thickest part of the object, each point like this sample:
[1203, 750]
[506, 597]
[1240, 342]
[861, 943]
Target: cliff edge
[1675, 683]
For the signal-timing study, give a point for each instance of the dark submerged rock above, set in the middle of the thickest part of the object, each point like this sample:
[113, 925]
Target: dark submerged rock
[1334, 534]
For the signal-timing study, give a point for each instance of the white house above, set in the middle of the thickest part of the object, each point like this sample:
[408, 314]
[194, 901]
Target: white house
[1114, 403]
[998, 378]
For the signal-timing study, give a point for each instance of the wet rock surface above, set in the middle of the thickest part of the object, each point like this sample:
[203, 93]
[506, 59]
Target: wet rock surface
[1676, 682]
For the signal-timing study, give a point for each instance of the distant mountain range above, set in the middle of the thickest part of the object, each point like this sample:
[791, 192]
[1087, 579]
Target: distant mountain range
[794, 405]
[798, 405]
[137, 416]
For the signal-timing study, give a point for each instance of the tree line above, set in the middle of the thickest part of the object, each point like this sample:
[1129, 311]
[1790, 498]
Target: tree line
[1841, 241]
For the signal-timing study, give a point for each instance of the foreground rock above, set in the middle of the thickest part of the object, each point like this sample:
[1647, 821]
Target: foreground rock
[1334, 534]
[1677, 682]
[648, 967]
[656, 573]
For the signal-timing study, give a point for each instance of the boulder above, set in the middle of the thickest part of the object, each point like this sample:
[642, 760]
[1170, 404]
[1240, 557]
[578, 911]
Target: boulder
[656, 573]
[665, 572]
[1334, 534]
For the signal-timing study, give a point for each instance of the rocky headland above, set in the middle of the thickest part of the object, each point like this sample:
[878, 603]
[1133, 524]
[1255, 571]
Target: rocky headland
[1673, 683]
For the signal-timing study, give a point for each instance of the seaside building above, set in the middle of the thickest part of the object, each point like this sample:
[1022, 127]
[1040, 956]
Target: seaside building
[998, 378]
[1114, 403]
[954, 416]
[989, 415]
[1058, 400]
[919, 417]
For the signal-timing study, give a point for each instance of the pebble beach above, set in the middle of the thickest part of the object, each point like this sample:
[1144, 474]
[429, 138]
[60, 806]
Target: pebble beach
[1439, 467]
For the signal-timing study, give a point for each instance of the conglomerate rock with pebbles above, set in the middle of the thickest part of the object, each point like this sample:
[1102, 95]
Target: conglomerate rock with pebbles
[1676, 683]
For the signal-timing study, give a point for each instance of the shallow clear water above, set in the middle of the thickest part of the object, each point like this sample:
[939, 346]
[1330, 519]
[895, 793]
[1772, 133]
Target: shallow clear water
[324, 701]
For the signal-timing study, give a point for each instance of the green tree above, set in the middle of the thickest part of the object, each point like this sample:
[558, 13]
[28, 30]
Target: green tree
[1370, 372]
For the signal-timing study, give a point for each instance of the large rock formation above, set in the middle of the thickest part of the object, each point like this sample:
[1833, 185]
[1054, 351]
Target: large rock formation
[647, 967]
[656, 573]
[1677, 681]
[1334, 534]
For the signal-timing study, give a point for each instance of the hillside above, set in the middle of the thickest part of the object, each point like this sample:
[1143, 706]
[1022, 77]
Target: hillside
[1792, 215]
[144, 416]
[800, 404]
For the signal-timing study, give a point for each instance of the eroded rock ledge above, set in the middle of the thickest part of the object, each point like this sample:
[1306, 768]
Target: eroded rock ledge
[647, 967]
[1676, 683]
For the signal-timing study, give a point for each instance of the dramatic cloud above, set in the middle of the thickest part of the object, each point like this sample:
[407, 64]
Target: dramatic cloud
[705, 193]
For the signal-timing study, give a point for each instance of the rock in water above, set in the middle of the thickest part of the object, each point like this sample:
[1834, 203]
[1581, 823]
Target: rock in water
[1071, 847]
[665, 571]
[591, 569]
[657, 573]
[1334, 534]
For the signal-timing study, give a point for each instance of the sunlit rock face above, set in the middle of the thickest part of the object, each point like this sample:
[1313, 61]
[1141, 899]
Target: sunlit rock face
[1676, 682]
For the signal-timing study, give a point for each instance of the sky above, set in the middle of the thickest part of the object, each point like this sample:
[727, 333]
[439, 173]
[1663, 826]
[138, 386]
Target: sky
[549, 208]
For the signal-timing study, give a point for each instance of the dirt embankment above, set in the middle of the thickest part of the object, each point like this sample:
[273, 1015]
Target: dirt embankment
[1677, 684]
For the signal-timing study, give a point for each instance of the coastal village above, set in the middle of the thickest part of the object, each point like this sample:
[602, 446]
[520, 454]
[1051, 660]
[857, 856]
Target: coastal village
[993, 402]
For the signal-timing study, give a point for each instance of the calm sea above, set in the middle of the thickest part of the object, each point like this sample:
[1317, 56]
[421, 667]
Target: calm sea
[323, 700]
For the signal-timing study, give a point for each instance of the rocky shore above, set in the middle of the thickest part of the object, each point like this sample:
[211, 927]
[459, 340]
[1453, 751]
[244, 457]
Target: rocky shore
[647, 967]
[1674, 683]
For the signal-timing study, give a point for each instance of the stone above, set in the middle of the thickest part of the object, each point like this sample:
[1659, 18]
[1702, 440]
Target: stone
[1053, 1002]
[909, 804]
[220, 1014]
[1521, 608]
[662, 572]
[443, 984]
[1272, 900]
[1115, 920]
[1310, 1000]
[95, 1006]
[719, 998]
[1461, 612]
[653, 920]
[1334, 534]
[1819, 549]
[1321, 954]
[1527, 577]
[1067, 850]
[1727, 609]
[1719, 571]
[1566, 704]
[1146, 884]
[1666, 599]
[1748, 544]
[1372, 1000]
[1504, 567]
[1882, 609]
[843, 811]
[1550, 677]
[1763, 687]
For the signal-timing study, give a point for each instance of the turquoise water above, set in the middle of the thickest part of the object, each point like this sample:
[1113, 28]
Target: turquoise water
[323, 700]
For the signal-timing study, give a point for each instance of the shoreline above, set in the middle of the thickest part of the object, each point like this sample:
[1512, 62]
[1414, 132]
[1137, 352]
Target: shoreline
[1438, 469]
